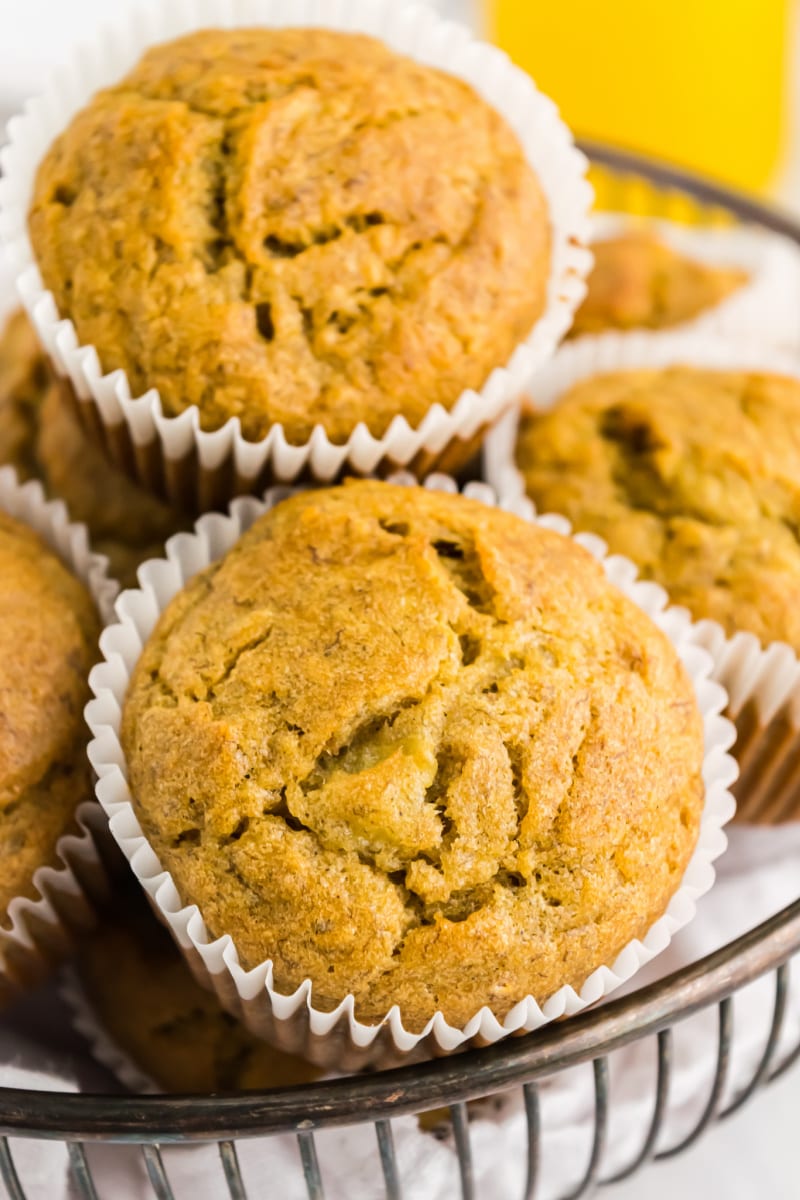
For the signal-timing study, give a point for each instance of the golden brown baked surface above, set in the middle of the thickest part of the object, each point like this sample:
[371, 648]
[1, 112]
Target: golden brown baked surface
[416, 749]
[42, 437]
[48, 642]
[692, 473]
[638, 282]
[295, 226]
[144, 995]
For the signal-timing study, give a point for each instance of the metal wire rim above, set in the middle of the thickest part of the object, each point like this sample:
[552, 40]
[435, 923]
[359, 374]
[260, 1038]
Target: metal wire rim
[404, 1090]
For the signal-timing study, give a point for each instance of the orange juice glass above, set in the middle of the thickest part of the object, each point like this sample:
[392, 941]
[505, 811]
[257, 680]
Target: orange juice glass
[703, 83]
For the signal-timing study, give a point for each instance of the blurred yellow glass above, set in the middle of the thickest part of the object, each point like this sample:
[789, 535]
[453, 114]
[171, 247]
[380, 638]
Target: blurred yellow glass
[703, 83]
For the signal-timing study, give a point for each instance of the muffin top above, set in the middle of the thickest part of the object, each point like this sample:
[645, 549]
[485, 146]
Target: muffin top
[415, 749]
[295, 226]
[48, 642]
[692, 473]
[639, 282]
[145, 996]
[42, 437]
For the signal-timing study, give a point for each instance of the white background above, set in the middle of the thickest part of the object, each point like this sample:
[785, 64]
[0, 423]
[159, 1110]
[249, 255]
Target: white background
[756, 1153]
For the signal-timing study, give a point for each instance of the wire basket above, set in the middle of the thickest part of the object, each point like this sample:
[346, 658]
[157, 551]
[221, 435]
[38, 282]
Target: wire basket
[371, 1102]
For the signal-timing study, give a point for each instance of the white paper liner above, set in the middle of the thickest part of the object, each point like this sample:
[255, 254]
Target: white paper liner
[40, 929]
[763, 682]
[291, 1021]
[223, 463]
[763, 685]
[766, 309]
[101, 1044]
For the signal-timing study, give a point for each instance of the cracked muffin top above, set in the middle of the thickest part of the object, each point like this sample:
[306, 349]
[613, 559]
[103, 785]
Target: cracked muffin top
[694, 474]
[48, 642]
[415, 749]
[639, 282]
[144, 995]
[295, 226]
[42, 438]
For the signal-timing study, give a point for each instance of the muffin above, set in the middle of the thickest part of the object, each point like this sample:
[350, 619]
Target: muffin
[296, 227]
[640, 282]
[48, 641]
[41, 436]
[417, 751]
[144, 997]
[692, 473]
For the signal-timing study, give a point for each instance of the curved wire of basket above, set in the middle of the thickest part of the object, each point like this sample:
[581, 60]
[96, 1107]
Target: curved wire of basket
[653, 1011]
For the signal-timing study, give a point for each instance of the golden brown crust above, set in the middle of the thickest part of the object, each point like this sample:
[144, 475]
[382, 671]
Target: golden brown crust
[296, 226]
[416, 749]
[41, 436]
[694, 474]
[638, 282]
[144, 995]
[48, 642]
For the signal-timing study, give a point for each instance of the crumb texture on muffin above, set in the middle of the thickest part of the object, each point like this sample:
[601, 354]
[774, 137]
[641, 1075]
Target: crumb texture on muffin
[639, 282]
[41, 436]
[48, 642]
[294, 226]
[692, 473]
[416, 749]
[146, 998]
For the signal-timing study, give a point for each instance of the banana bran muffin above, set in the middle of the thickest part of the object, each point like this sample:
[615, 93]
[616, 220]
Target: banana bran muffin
[295, 226]
[41, 436]
[48, 642]
[145, 997]
[692, 473]
[415, 749]
[639, 282]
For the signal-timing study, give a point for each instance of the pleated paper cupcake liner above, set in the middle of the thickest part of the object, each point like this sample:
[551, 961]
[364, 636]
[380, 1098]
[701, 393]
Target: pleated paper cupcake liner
[763, 681]
[766, 309]
[40, 929]
[764, 689]
[292, 1022]
[200, 469]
